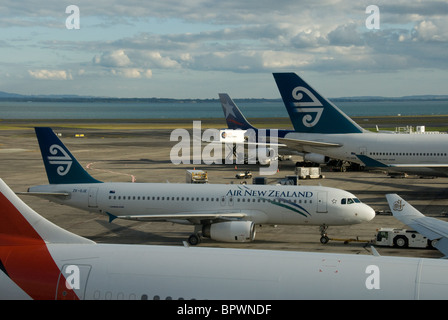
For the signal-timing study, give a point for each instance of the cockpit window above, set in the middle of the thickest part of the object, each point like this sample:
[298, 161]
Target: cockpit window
[350, 200]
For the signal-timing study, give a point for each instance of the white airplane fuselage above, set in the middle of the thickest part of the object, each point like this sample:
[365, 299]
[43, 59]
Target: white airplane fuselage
[313, 205]
[39, 260]
[390, 149]
[109, 271]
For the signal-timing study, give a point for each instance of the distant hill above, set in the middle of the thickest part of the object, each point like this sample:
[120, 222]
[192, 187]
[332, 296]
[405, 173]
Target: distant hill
[6, 96]
[404, 98]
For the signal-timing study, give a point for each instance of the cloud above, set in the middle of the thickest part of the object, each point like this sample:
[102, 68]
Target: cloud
[345, 35]
[116, 58]
[428, 30]
[44, 74]
[132, 73]
[138, 39]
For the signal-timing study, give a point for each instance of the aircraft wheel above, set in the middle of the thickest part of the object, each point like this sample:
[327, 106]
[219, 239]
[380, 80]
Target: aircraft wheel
[194, 240]
[324, 239]
[401, 242]
[432, 243]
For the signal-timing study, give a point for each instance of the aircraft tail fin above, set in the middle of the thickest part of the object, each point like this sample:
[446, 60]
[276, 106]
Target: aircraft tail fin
[234, 117]
[21, 225]
[309, 111]
[60, 165]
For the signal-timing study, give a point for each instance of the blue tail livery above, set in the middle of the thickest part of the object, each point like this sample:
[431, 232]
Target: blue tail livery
[60, 164]
[309, 111]
[234, 118]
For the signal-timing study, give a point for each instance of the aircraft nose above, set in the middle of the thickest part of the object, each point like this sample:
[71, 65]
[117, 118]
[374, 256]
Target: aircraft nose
[366, 213]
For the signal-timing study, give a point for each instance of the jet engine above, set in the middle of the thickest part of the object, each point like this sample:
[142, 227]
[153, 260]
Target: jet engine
[315, 157]
[232, 231]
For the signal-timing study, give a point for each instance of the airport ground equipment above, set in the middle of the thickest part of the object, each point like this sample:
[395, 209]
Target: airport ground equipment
[196, 176]
[401, 238]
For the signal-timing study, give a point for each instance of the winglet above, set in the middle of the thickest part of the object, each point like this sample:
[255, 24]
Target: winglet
[433, 229]
[60, 165]
[111, 216]
[402, 210]
[375, 252]
[372, 163]
[234, 117]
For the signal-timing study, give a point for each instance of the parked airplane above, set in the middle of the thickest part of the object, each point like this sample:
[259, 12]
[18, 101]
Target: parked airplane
[324, 129]
[322, 132]
[39, 260]
[435, 230]
[220, 212]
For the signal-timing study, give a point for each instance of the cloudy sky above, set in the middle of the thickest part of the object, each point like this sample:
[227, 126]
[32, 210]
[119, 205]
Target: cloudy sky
[197, 48]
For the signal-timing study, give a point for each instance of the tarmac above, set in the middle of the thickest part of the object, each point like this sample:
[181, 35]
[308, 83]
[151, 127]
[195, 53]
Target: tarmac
[128, 151]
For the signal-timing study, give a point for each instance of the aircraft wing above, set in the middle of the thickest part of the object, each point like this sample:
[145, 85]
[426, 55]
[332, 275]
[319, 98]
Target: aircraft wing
[194, 218]
[298, 144]
[433, 229]
[436, 169]
[370, 162]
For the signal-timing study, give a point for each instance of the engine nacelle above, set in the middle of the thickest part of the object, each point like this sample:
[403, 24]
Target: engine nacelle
[232, 231]
[315, 157]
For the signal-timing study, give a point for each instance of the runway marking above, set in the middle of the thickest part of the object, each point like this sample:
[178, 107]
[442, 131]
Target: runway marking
[89, 166]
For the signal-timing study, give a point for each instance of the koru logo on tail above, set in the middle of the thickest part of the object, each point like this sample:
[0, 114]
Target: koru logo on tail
[398, 205]
[307, 107]
[61, 158]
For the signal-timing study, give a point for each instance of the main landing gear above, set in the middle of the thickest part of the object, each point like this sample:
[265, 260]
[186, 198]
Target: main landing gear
[323, 234]
[194, 239]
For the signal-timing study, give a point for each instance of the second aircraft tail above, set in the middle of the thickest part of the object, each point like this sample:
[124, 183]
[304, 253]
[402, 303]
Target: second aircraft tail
[309, 111]
[234, 117]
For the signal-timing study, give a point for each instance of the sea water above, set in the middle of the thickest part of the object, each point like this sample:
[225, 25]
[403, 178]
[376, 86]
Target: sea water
[201, 109]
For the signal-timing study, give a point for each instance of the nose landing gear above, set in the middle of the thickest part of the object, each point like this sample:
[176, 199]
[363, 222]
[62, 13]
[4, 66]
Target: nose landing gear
[323, 234]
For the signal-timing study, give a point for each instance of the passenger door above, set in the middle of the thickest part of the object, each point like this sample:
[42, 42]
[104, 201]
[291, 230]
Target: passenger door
[93, 194]
[322, 202]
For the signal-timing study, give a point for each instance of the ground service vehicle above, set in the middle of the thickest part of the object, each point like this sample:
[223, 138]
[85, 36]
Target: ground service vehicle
[402, 238]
